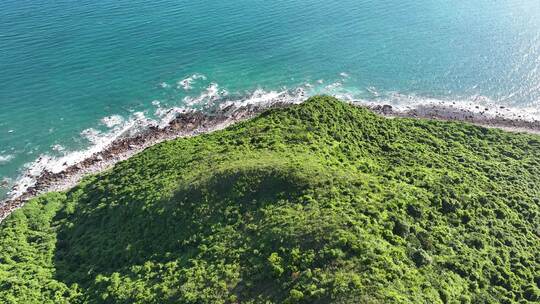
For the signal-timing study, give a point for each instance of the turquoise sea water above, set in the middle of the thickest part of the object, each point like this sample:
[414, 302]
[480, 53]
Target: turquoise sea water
[73, 73]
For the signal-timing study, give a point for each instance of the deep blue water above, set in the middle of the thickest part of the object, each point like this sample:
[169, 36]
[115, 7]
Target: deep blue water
[66, 65]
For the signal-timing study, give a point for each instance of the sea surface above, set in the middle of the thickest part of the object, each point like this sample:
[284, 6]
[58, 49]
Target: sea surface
[76, 74]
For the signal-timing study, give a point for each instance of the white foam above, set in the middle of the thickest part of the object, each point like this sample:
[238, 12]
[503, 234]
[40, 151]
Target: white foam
[478, 104]
[262, 97]
[333, 86]
[344, 75]
[373, 91]
[209, 96]
[187, 83]
[111, 121]
[58, 148]
[98, 142]
[166, 115]
[164, 85]
[4, 159]
[91, 134]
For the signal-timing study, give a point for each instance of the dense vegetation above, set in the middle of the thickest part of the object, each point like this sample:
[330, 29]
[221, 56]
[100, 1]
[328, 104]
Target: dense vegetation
[318, 203]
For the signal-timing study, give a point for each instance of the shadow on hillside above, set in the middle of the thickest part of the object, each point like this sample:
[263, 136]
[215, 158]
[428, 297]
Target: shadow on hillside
[107, 236]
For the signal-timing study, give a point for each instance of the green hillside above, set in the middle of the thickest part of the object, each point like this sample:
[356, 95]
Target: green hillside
[322, 202]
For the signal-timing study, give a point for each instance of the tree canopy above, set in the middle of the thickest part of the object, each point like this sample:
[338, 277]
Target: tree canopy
[322, 202]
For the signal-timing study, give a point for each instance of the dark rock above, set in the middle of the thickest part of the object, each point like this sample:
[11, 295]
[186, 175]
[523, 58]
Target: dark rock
[387, 109]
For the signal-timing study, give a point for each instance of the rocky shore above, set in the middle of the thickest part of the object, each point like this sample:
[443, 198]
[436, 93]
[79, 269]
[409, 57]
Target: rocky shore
[485, 117]
[192, 123]
[185, 124]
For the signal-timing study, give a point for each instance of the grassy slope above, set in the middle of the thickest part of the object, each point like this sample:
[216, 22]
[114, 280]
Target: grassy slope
[322, 202]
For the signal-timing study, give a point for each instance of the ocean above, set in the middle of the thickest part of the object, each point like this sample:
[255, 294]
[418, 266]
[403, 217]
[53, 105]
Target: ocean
[74, 75]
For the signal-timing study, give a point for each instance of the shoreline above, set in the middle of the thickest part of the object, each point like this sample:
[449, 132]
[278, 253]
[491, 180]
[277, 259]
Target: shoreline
[443, 112]
[192, 123]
